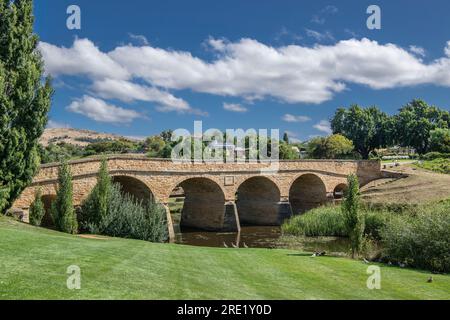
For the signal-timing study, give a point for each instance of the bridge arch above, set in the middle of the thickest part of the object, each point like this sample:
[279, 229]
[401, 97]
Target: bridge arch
[339, 190]
[134, 187]
[204, 204]
[306, 192]
[257, 201]
[47, 220]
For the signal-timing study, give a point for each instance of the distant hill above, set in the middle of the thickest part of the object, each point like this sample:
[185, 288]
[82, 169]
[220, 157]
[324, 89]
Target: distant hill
[77, 137]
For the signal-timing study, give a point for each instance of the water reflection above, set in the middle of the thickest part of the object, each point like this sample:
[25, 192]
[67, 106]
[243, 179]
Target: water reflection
[262, 237]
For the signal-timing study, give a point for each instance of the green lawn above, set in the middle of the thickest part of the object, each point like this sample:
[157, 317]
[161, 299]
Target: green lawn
[33, 265]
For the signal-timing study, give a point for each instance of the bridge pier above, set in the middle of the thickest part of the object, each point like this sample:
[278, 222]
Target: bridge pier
[284, 211]
[170, 227]
[231, 218]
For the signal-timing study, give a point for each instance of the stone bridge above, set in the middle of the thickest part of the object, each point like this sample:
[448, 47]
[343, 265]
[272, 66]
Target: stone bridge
[217, 196]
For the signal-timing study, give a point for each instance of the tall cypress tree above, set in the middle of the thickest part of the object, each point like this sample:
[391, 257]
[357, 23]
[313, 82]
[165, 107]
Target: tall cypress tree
[95, 207]
[24, 99]
[353, 218]
[63, 212]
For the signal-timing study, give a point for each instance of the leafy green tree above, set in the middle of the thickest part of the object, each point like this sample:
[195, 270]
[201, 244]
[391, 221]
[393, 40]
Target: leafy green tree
[315, 148]
[166, 135]
[287, 152]
[59, 152]
[440, 140]
[24, 99]
[353, 218]
[166, 152]
[154, 145]
[333, 147]
[63, 212]
[367, 128]
[415, 122]
[37, 209]
[109, 147]
[337, 146]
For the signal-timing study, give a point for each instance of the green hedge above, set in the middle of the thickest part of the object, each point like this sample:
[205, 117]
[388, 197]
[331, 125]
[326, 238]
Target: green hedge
[329, 221]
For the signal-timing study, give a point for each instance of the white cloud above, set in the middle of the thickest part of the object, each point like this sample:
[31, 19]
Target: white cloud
[83, 58]
[324, 126]
[352, 33]
[99, 110]
[56, 125]
[252, 70]
[216, 44]
[234, 107]
[330, 9]
[320, 36]
[286, 34]
[140, 39]
[291, 118]
[320, 17]
[127, 91]
[418, 51]
[447, 49]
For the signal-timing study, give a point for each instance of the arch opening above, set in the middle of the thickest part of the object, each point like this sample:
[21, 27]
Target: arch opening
[47, 220]
[197, 203]
[307, 192]
[135, 188]
[338, 192]
[257, 201]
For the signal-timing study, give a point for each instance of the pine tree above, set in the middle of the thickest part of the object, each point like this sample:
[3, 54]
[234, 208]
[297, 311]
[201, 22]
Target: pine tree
[353, 218]
[24, 99]
[63, 212]
[37, 210]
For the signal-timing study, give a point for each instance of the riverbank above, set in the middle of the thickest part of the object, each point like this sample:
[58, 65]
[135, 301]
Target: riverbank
[34, 263]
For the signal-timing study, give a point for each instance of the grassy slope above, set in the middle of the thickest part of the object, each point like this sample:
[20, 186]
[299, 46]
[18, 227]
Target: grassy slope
[421, 186]
[33, 263]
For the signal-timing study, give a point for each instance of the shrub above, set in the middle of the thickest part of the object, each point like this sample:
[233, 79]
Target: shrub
[37, 210]
[63, 212]
[435, 155]
[437, 165]
[422, 241]
[328, 221]
[128, 218]
[323, 221]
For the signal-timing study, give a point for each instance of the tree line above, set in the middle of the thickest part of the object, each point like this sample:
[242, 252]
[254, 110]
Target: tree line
[417, 125]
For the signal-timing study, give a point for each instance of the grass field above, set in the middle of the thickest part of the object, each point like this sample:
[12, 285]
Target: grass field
[33, 264]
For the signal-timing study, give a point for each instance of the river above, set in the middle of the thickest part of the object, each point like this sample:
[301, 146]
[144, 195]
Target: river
[262, 237]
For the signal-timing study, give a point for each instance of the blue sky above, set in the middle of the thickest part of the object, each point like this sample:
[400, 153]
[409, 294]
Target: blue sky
[138, 67]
